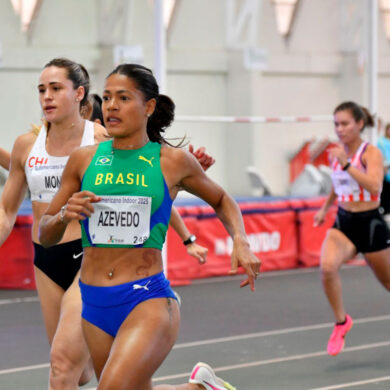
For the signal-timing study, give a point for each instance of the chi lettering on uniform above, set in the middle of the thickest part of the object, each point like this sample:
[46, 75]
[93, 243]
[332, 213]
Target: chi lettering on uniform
[33, 161]
[130, 179]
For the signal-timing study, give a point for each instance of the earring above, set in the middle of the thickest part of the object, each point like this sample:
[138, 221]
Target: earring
[77, 100]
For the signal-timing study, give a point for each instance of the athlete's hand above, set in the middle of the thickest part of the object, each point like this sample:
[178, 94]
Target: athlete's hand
[319, 218]
[243, 256]
[338, 152]
[197, 251]
[204, 159]
[79, 206]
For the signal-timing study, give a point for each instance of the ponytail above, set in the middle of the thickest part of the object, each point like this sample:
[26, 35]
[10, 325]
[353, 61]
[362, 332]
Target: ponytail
[369, 119]
[161, 119]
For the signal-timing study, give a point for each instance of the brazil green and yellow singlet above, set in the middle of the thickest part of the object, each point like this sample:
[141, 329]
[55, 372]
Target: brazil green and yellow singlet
[136, 206]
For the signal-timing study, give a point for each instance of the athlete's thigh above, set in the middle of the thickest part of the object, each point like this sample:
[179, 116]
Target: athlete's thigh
[50, 296]
[69, 337]
[142, 343]
[99, 345]
[380, 264]
[336, 249]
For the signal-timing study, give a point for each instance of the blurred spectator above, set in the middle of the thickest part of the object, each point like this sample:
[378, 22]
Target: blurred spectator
[384, 146]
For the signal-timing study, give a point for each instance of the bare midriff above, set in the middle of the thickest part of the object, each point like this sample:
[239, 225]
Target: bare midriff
[113, 266]
[356, 207]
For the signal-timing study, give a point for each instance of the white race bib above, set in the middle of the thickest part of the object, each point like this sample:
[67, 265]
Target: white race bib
[121, 220]
[345, 184]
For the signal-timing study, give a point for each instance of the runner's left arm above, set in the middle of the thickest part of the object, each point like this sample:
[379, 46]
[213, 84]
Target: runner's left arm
[194, 180]
[193, 249]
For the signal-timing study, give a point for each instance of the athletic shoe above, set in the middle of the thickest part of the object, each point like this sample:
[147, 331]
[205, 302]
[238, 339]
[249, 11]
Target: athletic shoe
[203, 374]
[336, 341]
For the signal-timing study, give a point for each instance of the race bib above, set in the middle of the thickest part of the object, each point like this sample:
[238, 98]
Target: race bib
[121, 220]
[345, 184]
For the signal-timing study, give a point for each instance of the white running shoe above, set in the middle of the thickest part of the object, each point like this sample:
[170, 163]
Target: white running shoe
[203, 374]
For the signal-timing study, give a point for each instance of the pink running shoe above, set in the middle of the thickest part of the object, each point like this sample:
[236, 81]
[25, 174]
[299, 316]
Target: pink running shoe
[336, 340]
[203, 374]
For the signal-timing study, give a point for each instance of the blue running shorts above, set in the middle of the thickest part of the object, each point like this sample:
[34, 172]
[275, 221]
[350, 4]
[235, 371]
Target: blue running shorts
[108, 307]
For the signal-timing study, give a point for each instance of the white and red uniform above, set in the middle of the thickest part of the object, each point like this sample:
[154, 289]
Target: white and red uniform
[345, 186]
[43, 171]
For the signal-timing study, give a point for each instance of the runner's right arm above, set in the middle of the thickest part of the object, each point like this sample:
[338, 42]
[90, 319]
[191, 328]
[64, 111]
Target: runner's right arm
[15, 186]
[319, 218]
[5, 157]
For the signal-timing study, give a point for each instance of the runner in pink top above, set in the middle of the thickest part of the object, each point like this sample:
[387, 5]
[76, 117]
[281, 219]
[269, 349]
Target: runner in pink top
[359, 227]
[345, 186]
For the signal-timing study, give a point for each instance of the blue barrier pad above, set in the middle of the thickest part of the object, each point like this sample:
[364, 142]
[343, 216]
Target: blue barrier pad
[25, 208]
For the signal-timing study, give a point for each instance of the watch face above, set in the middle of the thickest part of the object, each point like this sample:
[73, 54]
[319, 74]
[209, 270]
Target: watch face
[191, 239]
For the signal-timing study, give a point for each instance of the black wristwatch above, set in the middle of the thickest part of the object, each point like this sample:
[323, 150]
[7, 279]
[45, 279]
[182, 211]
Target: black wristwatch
[190, 240]
[346, 166]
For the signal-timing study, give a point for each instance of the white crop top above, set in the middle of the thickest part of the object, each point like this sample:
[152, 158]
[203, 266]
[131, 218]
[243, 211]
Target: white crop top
[345, 186]
[43, 172]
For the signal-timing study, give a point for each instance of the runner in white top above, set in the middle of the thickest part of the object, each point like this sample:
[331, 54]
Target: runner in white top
[36, 162]
[43, 171]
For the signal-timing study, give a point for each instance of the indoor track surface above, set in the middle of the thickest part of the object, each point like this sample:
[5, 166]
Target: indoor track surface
[274, 338]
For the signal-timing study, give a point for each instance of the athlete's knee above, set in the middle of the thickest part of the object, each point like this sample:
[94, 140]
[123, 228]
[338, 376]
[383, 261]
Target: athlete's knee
[329, 268]
[86, 375]
[63, 370]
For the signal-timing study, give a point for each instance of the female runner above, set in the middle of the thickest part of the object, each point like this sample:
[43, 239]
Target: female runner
[122, 191]
[357, 179]
[37, 163]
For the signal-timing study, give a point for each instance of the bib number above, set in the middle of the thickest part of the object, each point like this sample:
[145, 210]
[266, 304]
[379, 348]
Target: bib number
[345, 184]
[121, 220]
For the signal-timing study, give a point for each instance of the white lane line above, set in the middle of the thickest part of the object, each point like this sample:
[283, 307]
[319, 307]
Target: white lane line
[25, 368]
[277, 360]
[234, 366]
[18, 300]
[352, 384]
[219, 279]
[276, 332]
[335, 387]
[241, 337]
